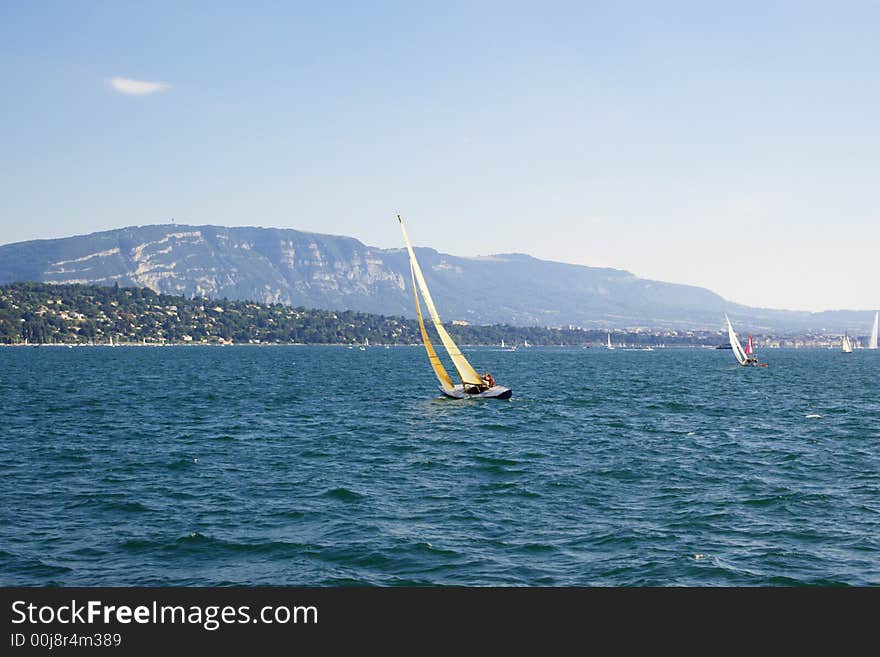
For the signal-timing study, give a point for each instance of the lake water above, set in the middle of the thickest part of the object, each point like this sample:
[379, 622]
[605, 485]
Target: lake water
[330, 466]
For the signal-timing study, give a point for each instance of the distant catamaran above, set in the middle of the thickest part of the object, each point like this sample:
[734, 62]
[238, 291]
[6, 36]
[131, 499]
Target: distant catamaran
[472, 384]
[872, 343]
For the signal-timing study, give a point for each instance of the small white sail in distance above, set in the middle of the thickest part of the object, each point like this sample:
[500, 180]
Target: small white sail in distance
[734, 343]
[872, 343]
[846, 344]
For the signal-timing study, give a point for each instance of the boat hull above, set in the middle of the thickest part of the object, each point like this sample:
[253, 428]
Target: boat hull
[495, 392]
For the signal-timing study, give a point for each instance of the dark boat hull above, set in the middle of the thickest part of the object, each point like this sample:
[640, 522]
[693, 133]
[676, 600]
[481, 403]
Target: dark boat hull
[495, 392]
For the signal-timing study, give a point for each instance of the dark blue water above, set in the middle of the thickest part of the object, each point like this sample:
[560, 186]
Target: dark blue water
[330, 466]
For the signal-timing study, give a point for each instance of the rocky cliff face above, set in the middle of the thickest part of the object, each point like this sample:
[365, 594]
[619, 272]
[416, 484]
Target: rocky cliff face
[325, 271]
[267, 265]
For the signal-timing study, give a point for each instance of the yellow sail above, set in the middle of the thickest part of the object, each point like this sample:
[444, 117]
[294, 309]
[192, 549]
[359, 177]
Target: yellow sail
[463, 367]
[439, 370]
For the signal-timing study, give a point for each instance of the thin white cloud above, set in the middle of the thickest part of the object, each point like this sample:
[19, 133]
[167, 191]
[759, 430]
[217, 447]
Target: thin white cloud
[137, 87]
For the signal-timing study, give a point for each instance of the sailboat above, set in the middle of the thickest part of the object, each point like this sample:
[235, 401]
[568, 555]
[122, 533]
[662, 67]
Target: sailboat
[872, 343]
[526, 344]
[609, 342]
[513, 348]
[472, 384]
[742, 356]
[846, 344]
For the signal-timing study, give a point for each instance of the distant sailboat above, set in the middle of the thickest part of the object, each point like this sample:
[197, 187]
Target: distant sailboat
[526, 344]
[872, 343]
[472, 384]
[846, 344]
[742, 356]
[609, 345]
[513, 348]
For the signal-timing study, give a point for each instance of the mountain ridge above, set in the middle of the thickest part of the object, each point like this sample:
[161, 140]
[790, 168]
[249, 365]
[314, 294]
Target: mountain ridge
[317, 270]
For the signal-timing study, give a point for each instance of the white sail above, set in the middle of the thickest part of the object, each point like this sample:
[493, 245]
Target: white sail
[609, 342]
[502, 343]
[735, 345]
[872, 344]
[846, 344]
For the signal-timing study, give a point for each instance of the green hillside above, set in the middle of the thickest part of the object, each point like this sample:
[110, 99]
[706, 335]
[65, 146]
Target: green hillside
[41, 313]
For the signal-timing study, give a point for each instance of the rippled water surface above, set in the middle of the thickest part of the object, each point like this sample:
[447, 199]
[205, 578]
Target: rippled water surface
[330, 466]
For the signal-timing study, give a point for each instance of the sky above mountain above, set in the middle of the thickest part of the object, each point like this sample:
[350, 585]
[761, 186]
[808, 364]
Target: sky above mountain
[732, 147]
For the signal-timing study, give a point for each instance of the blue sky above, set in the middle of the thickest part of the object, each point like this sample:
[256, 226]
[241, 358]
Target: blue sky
[733, 147]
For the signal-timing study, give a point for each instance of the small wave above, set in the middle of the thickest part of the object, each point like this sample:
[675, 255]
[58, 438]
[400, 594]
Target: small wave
[812, 416]
[198, 542]
[128, 507]
[538, 548]
[623, 474]
[290, 513]
[314, 454]
[426, 547]
[195, 537]
[498, 470]
[489, 460]
[763, 501]
[110, 503]
[498, 486]
[182, 464]
[72, 457]
[343, 495]
[33, 566]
